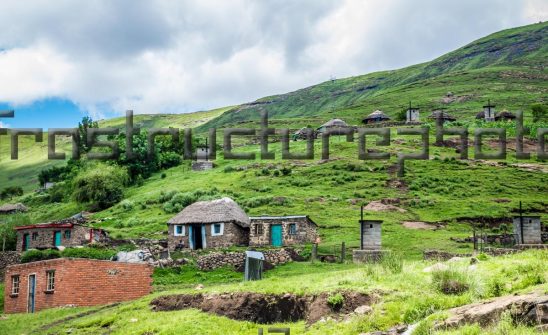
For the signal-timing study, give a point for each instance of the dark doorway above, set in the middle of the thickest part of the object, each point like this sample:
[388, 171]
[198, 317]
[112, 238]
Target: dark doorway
[197, 236]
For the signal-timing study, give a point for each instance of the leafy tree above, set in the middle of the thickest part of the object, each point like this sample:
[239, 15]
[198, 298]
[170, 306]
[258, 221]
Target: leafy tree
[401, 115]
[83, 127]
[7, 231]
[10, 192]
[540, 112]
[100, 187]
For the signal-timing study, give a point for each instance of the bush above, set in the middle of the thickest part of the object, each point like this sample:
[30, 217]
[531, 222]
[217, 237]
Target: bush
[335, 301]
[127, 205]
[89, 252]
[180, 200]
[286, 170]
[450, 281]
[10, 192]
[100, 187]
[228, 169]
[39, 255]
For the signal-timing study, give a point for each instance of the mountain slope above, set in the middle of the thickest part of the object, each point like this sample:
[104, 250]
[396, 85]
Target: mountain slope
[508, 67]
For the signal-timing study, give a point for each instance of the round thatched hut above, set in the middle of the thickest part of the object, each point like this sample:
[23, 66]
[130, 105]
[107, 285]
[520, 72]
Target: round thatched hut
[209, 224]
[13, 208]
[375, 117]
[333, 123]
[504, 116]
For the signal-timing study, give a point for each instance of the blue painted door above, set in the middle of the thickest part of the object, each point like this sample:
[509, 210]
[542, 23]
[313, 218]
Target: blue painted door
[32, 293]
[57, 238]
[276, 235]
[191, 237]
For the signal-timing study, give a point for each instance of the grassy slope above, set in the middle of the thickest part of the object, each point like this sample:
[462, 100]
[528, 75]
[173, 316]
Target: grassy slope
[509, 67]
[405, 297]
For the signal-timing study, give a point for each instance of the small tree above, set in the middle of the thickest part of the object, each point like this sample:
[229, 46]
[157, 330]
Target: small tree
[401, 115]
[83, 127]
[100, 187]
[10, 192]
[7, 229]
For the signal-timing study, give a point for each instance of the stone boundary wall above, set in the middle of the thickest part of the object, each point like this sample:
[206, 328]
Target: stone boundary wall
[8, 258]
[441, 255]
[236, 259]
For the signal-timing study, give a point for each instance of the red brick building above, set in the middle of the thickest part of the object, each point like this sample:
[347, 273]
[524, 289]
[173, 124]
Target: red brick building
[58, 282]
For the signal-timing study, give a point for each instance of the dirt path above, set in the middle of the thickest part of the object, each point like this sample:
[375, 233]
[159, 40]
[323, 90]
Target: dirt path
[73, 317]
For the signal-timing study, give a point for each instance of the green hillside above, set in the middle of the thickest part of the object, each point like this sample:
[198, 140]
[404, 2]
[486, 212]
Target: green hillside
[508, 67]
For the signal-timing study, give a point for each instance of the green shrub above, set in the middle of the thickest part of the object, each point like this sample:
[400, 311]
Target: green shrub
[127, 205]
[286, 171]
[450, 281]
[335, 301]
[100, 187]
[39, 255]
[89, 252]
[228, 169]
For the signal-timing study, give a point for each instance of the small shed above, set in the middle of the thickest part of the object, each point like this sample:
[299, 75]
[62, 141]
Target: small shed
[13, 208]
[441, 114]
[527, 229]
[217, 223]
[412, 115]
[333, 123]
[376, 117]
[282, 230]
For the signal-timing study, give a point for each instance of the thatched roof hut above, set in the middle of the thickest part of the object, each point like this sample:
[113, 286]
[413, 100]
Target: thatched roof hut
[13, 208]
[480, 115]
[504, 115]
[209, 224]
[220, 210]
[441, 114]
[376, 116]
[302, 133]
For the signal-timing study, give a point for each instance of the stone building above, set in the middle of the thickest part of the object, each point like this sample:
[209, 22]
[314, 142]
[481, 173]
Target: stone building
[66, 233]
[531, 229]
[31, 287]
[209, 224]
[370, 242]
[282, 230]
[13, 208]
[332, 124]
[375, 117]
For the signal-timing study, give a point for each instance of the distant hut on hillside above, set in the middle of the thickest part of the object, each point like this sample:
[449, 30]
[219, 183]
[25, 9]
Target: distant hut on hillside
[441, 114]
[504, 116]
[13, 208]
[209, 224]
[301, 134]
[375, 117]
[488, 112]
[333, 123]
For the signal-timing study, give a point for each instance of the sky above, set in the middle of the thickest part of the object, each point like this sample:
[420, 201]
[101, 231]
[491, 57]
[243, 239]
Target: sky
[61, 60]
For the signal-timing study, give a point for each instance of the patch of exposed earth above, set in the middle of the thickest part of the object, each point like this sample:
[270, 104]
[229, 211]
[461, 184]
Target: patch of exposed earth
[420, 225]
[269, 308]
[379, 206]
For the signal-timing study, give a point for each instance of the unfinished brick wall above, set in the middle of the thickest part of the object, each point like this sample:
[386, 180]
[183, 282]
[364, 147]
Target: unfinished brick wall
[78, 282]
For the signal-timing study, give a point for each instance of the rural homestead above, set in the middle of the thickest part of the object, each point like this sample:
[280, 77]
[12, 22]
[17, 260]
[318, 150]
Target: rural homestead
[70, 232]
[223, 223]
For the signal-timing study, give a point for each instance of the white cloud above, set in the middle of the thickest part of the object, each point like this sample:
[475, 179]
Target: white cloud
[4, 125]
[183, 56]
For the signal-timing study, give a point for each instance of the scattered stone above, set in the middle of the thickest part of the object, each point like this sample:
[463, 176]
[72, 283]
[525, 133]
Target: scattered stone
[473, 260]
[362, 310]
[455, 259]
[199, 287]
[436, 267]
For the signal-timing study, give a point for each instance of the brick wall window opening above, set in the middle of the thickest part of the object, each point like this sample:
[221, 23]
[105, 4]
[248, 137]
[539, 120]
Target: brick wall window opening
[370, 226]
[50, 280]
[292, 229]
[15, 284]
[179, 230]
[258, 229]
[217, 229]
[34, 236]
[67, 234]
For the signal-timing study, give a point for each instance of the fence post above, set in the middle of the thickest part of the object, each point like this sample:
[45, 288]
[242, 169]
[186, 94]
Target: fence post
[314, 252]
[343, 252]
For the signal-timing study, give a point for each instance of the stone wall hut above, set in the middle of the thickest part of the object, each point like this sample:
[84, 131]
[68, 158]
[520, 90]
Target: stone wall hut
[301, 134]
[375, 117]
[441, 114]
[412, 115]
[333, 123]
[282, 230]
[71, 232]
[531, 229]
[209, 224]
[505, 116]
[13, 208]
